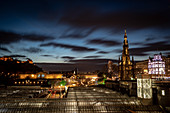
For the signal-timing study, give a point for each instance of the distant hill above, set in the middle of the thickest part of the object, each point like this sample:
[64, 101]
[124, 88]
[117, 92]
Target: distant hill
[14, 67]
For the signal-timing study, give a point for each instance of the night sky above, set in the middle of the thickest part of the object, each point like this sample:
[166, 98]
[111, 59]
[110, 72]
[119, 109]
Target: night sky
[84, 34]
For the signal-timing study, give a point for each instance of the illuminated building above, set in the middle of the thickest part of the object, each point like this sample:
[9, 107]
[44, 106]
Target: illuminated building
[144, 86]
[40, 75]
[30, 61]
[156, 65]
[126, 67]
[5, 58]
[167, 65]
[110, 66]
[141, 67]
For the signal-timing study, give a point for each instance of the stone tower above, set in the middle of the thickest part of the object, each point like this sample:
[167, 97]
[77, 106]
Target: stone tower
[126, 67]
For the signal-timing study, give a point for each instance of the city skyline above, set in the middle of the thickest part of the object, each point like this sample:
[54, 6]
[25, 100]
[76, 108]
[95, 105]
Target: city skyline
[79, 32]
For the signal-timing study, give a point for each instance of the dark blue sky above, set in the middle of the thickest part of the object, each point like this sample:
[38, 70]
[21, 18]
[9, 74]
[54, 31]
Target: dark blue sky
[77, 31]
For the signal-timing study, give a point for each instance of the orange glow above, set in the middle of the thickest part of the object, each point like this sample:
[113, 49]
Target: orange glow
[46, 76]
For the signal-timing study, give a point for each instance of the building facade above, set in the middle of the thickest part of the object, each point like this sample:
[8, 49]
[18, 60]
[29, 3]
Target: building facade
[156, 65]
[141, 67]
[110, 66]
[167, 65]
[126, 67]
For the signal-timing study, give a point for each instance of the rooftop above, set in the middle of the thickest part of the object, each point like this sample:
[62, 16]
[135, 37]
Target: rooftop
[79, 99]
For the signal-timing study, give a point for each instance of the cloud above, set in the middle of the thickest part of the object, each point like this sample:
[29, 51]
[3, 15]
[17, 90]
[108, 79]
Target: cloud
[91, 61]
[166, 54]
[107, 43]
[149, 39]
[136, 43]
[117, 20]
[72, 47]
[83, 65]
[5, 49]
[15, 55]
[77, 33]
[150, 47]
[133, 52]
[32, 50]
[103, 52]
[138, 53]
[36, 38]
[47, 55]
[167, 37]
[10, 37]
[147, 48]
[68, 57]
[161, 45]
[92, 56]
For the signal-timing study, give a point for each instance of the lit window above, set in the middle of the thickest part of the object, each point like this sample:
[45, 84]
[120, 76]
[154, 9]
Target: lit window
[43, 75]
[163, 92]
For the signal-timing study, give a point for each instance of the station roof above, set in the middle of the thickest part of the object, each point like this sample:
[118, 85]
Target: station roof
[79, 99]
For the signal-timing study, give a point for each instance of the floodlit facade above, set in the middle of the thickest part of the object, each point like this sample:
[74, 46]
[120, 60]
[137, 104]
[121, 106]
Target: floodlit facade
[144, 87]
[156, 65]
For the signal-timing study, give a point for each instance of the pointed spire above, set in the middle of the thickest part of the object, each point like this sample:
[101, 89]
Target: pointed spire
[125, 33]
[160, 53]
[132, 59]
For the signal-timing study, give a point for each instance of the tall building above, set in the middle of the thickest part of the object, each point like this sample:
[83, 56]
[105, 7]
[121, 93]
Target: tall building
[110, 66]
[126, 67]
[156, 65]
[167, 65]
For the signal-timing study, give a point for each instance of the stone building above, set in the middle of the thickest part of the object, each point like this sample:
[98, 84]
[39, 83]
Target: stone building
[126, 67]
[156, 65]
[141, 67]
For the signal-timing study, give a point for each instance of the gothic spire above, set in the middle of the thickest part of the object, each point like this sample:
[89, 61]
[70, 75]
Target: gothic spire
[125, 36]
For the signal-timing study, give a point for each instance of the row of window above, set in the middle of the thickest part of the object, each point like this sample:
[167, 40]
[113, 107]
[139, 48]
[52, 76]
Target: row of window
[160, 65]
[29, 82]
